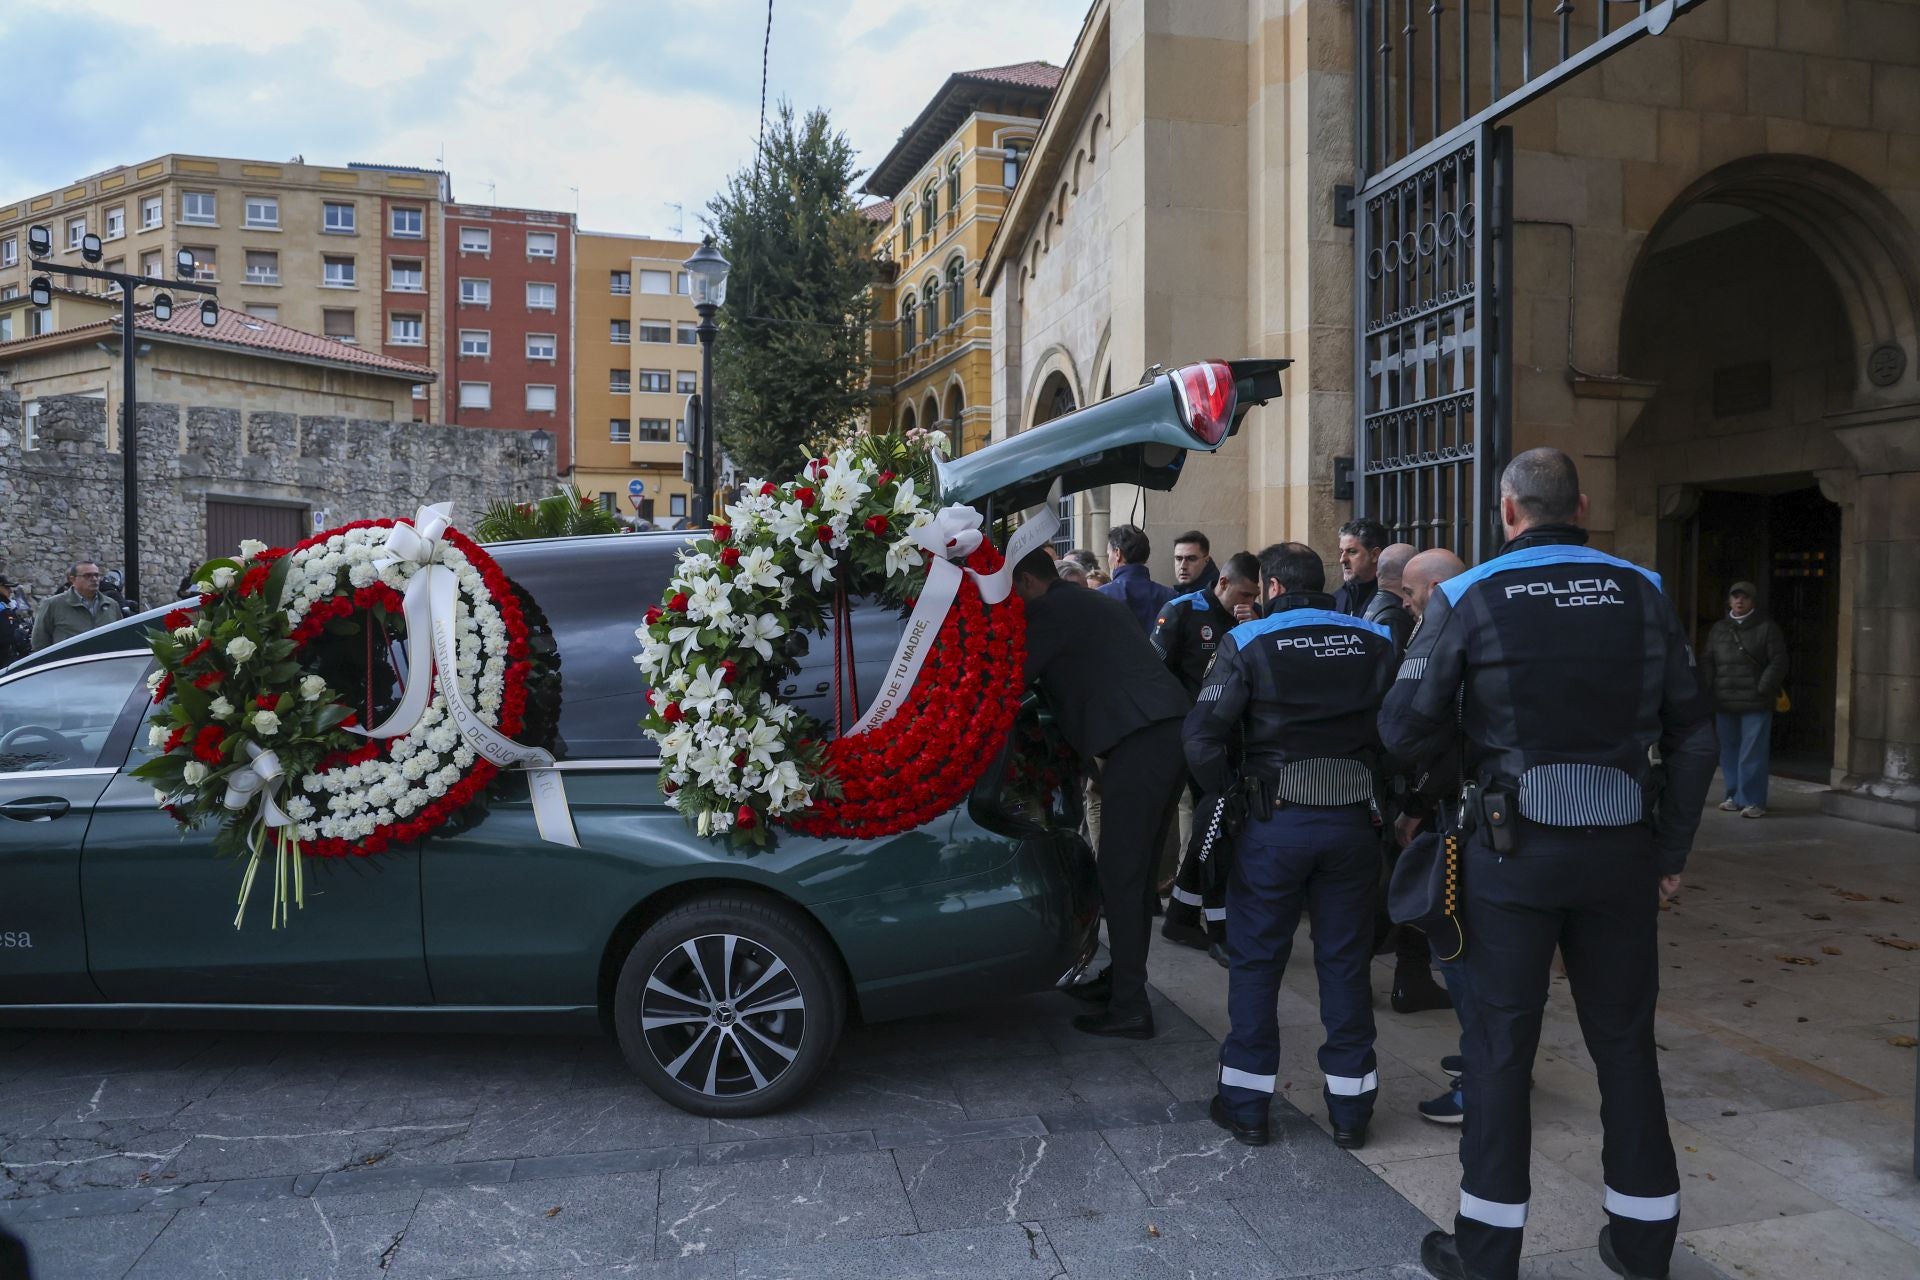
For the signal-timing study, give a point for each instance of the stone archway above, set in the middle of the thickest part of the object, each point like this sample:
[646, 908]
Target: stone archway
[1768, 330]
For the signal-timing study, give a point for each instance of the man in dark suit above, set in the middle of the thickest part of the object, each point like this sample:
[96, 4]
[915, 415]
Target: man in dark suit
[1114, 701]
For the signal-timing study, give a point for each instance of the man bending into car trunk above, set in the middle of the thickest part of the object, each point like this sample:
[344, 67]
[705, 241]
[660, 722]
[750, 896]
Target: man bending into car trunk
[1114, 700]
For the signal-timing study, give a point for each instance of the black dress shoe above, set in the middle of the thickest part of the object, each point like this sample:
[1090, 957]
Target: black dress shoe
[1440, 1255]
[1351, 1139]
[1095, 990]
[1252, 1135]
[1130, 1026]
[1187, 935]
[1415, 991]
[1608, 1256]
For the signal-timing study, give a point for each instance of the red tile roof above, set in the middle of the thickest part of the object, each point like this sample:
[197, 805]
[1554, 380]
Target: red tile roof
[238, 329]
[1030, 75]
[878, 211]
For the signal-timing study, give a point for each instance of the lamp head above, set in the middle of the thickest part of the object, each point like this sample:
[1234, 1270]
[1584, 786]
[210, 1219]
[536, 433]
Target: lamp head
[163, 306]
[90, 247]
[39, 241]
[183, 268]
[209, 313]
[40, 290]
[709, 268]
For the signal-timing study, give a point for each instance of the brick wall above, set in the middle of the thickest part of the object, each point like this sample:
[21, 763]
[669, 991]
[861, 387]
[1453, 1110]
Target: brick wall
[60, 501]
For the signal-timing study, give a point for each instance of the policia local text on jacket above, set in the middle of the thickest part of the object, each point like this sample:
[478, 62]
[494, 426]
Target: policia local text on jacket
[1556, 667]
[1300, 689]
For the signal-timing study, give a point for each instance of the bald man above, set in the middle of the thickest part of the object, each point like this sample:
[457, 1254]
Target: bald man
[1423, 573]
[1386, 607]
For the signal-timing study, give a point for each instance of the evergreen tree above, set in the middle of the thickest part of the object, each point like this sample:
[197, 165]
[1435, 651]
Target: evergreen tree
[791, 359]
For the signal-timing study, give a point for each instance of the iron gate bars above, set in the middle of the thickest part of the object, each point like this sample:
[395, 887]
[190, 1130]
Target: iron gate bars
[1429, 253]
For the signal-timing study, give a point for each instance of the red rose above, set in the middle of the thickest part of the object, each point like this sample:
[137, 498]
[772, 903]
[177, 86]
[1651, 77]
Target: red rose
[803, 496]
[678, 604]
[177, 619]
[649, 696]
[745, 818]
[826, 533]
[766, 489]
[669, 786]
[671, 713]
[653, 614]
[885, 477]
[730, 556]
[729, 671]
[266, 701]
[350, 721]
[877, 526]
[721, 532]
[740, 759]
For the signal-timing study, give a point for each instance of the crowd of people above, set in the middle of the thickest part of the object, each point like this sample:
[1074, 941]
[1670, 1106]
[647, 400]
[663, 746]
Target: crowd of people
[1522, 747]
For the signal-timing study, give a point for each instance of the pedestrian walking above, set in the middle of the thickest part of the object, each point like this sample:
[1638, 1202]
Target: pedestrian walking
[1193, 566]
[1361, 542]
[1115, 703]
[1744, 669]
[1555, 669]
[1186, 635]
[1299, 691]
[16, 627]
[1128, 550]
[75, 611]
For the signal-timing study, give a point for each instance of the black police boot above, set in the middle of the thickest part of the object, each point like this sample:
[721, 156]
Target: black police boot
[1252, 1135]
[1612, 1259]
[1440, 1255]
[1184, 933]
[1095, 990]
[1105, 1022]
[1351, 1137]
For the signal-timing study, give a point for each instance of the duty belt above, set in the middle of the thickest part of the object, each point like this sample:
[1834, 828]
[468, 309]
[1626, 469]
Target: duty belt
[1323, 781]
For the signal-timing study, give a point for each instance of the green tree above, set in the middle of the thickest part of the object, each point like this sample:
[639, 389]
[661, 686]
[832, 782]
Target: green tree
[791, 359]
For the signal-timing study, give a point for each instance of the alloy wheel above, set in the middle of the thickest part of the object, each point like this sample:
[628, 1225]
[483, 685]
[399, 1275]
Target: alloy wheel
[723, 1015]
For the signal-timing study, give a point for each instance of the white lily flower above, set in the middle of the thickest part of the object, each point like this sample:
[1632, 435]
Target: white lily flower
[757, 569]
[706, 690]
[790, 524]
[903, 556]
[818, 563]
[842, 487]
[758, 632]
[905, 500]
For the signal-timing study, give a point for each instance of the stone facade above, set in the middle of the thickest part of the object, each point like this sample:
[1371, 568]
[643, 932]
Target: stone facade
[1716, 291]
[60, 501]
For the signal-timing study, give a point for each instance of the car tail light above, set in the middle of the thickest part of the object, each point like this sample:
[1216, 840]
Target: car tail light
[1206, 399]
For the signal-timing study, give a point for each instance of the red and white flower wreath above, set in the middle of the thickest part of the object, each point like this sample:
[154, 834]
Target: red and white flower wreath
[734, 621]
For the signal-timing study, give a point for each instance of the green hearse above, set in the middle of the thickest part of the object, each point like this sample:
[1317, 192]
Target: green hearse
[726, 976]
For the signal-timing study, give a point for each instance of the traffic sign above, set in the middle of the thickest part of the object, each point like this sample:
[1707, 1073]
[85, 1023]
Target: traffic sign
[636, 487]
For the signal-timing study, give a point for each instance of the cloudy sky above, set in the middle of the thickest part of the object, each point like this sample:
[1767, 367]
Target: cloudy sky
[640, 104]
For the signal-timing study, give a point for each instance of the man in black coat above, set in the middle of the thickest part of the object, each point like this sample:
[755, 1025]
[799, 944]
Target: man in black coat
[1113, 701]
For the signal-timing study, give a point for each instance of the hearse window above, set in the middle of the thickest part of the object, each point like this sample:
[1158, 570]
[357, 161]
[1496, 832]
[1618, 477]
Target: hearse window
[62, 717]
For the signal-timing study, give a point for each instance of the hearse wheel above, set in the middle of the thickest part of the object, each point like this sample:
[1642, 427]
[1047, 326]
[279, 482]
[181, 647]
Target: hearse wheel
[729, 1006]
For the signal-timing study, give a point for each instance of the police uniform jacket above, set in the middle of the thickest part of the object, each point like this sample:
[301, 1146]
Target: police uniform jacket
[1559, 666]
[1100, 677]
[1304, 684]
[1187, 633]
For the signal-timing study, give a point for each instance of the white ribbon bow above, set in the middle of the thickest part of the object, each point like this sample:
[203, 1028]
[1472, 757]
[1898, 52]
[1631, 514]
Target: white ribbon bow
[432, 661]
[261, 776]
[953, 533]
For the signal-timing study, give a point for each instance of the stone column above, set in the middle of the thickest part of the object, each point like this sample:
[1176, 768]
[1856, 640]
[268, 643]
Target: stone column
[1882, 780]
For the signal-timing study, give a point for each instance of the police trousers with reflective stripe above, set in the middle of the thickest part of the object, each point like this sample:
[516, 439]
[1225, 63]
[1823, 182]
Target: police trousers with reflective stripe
[1325, 861]
[1594, 893]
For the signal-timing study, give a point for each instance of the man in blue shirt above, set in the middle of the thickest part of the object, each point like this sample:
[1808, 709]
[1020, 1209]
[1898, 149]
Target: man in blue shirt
[1128, 551]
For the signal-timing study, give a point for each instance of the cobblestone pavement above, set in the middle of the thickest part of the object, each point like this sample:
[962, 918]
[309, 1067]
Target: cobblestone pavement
[997, 1143]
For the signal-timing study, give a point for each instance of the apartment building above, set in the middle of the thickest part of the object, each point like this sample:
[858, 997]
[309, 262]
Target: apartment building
[509, 288]
[637, 361]
[346, 252]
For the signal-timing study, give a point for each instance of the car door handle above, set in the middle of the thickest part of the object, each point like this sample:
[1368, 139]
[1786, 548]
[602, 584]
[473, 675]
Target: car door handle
[35, 808]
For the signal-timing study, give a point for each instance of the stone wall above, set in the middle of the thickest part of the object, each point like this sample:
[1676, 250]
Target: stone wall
[61, 501]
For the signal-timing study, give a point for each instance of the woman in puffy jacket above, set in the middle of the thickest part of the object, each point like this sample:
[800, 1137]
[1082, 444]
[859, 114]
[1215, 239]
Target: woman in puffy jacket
[1744, 667]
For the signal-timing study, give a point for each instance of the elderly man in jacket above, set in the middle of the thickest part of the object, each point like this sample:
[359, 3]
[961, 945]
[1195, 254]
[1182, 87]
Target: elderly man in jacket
[75, 611]
[1743, 669]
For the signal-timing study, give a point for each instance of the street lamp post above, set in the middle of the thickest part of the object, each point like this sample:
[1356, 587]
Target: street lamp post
[708, 268]
[39, 249]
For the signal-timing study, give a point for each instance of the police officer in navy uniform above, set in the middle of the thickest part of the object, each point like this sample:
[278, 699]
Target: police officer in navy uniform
[1186, 635]
[1555, 668]
[1300, 689]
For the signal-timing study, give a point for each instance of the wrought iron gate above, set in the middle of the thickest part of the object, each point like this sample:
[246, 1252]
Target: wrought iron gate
[1433, 243]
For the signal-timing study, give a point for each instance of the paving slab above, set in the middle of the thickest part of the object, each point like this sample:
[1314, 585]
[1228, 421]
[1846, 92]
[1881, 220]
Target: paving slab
[529, 1226]
[88, 1248]
[1833, 1243]
[1008, 1180]
[1205, 1241]
[1184, 1164]
[779, 1203]
[981, 1253]
[288, 1239]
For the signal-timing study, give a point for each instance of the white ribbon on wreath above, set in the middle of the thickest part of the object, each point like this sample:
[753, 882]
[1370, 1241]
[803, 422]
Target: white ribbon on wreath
[951, 536]
[432, 644]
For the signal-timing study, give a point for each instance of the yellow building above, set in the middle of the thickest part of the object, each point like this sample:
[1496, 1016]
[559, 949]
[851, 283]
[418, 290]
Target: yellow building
[636, 360]
[347, 252]
[944, 187]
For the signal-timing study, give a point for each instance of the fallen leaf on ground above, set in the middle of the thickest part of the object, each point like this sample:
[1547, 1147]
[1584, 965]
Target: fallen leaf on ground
[1899, 944]
[1817, 915]
[1153, 1231]
[555, 1211]
[1851, 896]
[1796, 960]
[1748, 1004]
[1830, 951]
[1891, 897]
[1902, 1042]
